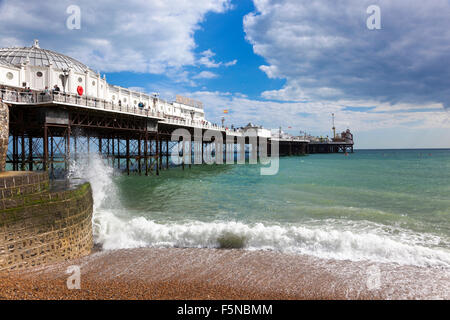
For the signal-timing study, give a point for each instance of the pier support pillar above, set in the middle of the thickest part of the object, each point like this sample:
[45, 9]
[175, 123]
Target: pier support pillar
[167, 154]
[113, 158]
[128, 156]
[4, 134]
[190, 152]
[75, 147]
[203, 152]
[30, 152]
[183, 152]
[146, 152]
[45, 160]
[139, 156]
[160, 158]
[22, 149]
[158, 150]
[67, 159]
[14, 154]
[118, 153]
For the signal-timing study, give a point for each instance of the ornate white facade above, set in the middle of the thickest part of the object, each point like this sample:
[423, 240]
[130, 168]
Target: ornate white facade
[39, 69]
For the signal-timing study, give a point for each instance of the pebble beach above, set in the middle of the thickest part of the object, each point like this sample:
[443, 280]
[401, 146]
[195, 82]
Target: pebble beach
[155, 274]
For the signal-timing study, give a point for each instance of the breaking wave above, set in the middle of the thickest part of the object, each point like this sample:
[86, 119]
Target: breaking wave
[114, 228]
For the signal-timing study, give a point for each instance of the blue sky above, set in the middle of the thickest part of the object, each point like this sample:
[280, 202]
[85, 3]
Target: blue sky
[288, 63]
[224, 35]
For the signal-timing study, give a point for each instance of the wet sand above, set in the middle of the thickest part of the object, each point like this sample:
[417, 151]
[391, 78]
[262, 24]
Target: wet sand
[150, 273]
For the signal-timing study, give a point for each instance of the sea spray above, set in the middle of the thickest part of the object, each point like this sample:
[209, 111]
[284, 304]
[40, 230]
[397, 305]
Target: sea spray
[94, 169]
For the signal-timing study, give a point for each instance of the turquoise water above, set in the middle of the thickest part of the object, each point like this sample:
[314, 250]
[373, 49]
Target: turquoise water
[383, 205]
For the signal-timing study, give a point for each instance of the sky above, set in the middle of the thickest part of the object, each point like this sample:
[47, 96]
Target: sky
[276, 63]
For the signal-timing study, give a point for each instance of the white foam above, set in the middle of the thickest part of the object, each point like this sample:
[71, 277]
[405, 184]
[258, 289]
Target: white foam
[323, 243]
[114, 230]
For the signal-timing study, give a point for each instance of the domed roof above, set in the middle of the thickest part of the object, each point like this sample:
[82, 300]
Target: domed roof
[36, 56]
[3, 62]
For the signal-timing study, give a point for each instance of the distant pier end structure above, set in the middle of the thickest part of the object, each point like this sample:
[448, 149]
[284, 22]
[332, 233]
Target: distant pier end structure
[54, 108]
[340, 143]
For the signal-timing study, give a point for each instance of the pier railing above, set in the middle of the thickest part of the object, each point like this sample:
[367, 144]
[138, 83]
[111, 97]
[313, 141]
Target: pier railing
[36, 97]
[42, 97]
[192, 123]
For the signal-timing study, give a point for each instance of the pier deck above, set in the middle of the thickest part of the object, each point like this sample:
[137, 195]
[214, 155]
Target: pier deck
[47, 130]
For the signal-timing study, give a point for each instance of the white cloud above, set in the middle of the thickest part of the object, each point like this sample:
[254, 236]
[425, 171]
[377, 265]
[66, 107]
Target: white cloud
[231, 63]
[324, 50]
[205, 75]
[207, 60]
[315, 117]
[385, 84]
[6, 42]
[141, 36]
[270, 71]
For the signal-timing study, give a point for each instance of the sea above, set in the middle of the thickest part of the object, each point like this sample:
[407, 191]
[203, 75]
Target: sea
[388, 206]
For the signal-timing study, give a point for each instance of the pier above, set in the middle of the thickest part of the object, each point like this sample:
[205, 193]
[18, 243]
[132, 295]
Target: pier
[330, 147]
[135, 132]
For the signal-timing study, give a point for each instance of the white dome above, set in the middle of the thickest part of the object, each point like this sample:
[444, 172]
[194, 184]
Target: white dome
[36, 56]
[4, 62]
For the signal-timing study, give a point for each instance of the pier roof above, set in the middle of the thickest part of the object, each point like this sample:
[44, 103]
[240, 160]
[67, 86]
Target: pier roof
[4, 62]
[35, 56]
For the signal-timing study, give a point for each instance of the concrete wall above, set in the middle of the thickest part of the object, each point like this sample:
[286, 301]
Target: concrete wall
[4, 133]
[37, 226]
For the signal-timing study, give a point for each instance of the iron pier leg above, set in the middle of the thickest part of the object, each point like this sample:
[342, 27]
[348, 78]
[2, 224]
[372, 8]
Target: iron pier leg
[139, 155]
[23, 150]
[190, 152]
[157, 154]
[128, 155]
[68, 149]
[118, 153]
[160, 158]
[14, 152]
[30, 152]
[113, 158]
[146, 153]
[203, 152]
[108, 150]
[52, 159]
[183, 153]
[167, 154]
[45, 160]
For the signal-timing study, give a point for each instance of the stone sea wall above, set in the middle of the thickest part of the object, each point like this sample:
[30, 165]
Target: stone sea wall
[38, 226]
[4, 133]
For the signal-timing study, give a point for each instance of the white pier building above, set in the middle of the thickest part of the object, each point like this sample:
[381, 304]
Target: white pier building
[28, 75]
